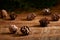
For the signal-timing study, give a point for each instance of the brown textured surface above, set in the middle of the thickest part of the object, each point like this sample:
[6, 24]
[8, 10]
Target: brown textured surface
[52, 32]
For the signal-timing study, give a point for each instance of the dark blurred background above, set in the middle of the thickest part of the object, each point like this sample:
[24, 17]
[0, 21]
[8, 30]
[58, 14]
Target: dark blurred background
[27, 4]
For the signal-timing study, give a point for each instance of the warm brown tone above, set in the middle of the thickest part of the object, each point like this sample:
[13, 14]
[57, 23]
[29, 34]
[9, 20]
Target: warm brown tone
[52, 31]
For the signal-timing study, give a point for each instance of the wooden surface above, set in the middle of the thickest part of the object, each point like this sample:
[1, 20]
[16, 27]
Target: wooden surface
[51, 32]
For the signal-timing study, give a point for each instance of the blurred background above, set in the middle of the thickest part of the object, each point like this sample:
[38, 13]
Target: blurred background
[27, 4]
